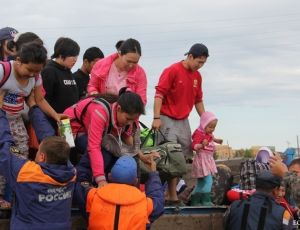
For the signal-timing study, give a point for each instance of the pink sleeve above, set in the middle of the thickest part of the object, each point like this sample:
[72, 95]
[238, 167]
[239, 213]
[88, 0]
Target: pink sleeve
[93, 85]
[197, 138]
[141, 88]
[96, 128]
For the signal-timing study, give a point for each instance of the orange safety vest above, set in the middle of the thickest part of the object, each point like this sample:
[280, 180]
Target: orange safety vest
[118, 206]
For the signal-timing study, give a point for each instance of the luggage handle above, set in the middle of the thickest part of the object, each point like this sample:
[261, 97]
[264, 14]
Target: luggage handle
[149, 134]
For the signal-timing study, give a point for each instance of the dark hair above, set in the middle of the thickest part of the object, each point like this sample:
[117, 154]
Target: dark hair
[2, 50]
[130, 102]
[93, 53]
[32, 52]
[26, 38]
[65, 47]
[295, 162]
[23, 39]
[110, 98]
[57, 150]
[130, 46]
[118, 44]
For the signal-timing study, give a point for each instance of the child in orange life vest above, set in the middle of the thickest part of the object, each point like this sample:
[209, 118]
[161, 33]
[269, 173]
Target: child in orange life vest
[203, 164]
[119, 204]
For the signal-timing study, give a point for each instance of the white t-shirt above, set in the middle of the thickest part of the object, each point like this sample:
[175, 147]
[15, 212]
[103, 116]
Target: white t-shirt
[15, 94]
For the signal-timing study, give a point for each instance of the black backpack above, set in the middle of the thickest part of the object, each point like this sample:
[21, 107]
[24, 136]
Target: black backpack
[256, 215]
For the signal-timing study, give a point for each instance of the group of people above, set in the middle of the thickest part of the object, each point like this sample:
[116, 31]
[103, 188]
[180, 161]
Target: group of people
[269, 198]
[105, 97]
[104, 100]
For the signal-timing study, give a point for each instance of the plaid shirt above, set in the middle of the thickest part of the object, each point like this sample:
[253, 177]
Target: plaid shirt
[249, 171]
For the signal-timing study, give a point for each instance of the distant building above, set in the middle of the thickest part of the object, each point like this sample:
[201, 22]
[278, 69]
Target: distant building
[224, 152]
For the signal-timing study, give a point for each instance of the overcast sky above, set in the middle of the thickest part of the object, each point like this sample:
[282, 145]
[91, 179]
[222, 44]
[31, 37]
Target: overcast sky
[251, 80]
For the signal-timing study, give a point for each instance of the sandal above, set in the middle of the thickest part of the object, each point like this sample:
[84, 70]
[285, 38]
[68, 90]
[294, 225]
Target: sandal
[4, 204]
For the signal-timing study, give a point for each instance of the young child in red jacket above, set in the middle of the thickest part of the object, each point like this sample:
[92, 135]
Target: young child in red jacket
[204, 166]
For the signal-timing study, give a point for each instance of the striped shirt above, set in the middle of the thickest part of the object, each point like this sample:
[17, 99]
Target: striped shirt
[13, 102]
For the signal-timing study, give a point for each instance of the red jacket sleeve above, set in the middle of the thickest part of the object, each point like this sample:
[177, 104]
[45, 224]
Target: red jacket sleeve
[197, 138]
[165, 83]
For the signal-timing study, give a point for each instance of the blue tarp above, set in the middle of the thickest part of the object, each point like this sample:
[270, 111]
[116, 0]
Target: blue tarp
[289, 154]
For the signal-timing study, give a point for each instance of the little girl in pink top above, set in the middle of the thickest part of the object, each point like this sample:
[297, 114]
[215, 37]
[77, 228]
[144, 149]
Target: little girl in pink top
[204, 166]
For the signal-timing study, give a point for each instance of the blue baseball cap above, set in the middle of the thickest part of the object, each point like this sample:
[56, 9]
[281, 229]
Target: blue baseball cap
[7, 33]
[124, 171]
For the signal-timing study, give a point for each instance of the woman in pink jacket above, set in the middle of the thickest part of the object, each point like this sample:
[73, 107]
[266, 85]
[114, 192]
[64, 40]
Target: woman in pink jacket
[120, 70]
[93, 119]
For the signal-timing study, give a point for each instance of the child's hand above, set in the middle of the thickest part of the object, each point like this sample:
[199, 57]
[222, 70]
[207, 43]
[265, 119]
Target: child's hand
[30, 100]
[219, 141]
[197, 147]
[205, 142]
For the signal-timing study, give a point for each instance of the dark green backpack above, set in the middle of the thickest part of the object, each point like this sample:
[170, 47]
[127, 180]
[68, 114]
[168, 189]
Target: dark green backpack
[171, 162]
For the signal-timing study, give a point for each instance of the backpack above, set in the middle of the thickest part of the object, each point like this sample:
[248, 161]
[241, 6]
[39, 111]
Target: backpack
[109, 142]
[98, 100]
[248, 171]
[222, 181]
[255, 212]
[144, 133]
[7, 70]
[171, 162]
